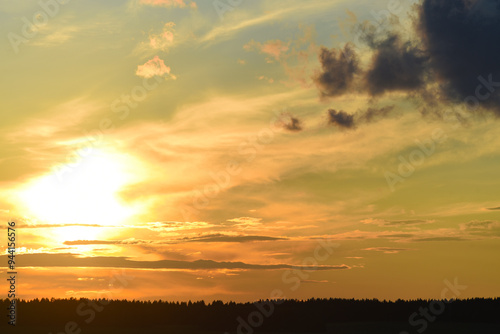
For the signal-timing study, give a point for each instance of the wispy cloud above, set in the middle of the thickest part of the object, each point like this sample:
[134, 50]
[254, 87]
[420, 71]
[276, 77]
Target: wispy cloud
[230, 238]
[59, 36]
[387, 250]
[314, 281]
[168, 3]
[212, 237]
[480, 225]
[273, 48]
[227, 30]
[441, 239]
[409, 222]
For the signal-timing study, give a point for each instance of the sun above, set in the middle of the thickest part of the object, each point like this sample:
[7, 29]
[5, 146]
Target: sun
[85, 194]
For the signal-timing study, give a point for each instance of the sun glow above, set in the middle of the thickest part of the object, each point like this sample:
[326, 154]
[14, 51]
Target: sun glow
[86, 193]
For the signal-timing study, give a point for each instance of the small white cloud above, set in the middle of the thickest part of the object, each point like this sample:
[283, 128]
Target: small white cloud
[153, 67]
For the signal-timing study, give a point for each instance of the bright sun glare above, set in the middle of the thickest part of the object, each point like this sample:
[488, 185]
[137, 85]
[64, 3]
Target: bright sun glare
[84, 194]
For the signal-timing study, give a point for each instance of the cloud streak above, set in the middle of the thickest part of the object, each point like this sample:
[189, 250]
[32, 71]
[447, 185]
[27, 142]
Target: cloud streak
[409, 222]
[72, 260]
[216, 237]
[168, 3]
[386, 250]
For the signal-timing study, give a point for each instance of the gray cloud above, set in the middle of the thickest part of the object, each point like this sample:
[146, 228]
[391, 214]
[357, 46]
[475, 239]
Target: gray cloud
[441, 239]
[483, 228]
[408, 222]
[226, 238]
[291, 123]
[461, 39]
[338, 70]
[345, 120]
[341, 119]
[455, 47]
[396, 66]
[217, 237]
[373, 114]
[481, 225]
[73, 260]
[478, 224]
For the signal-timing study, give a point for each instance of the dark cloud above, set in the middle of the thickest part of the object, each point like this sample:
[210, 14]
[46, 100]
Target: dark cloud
[406, 222]
[483, 228]
[228, 238]
[481, 225]
[452, 59]
[338, 69]
[497, 208]
[291, 123]
[396, 66]
[74, 260]
[345, 120]
[461, 40]
[341, 119]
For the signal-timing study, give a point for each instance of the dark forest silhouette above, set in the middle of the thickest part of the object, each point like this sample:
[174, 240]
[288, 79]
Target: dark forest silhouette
[313, 315]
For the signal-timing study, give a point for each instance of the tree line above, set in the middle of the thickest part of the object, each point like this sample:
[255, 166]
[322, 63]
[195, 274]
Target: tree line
[264, 315]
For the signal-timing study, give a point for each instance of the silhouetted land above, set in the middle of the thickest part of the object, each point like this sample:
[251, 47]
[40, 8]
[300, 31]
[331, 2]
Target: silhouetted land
[278, 316]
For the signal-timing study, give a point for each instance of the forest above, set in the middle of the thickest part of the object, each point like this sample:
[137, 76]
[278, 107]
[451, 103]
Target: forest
[268, 316]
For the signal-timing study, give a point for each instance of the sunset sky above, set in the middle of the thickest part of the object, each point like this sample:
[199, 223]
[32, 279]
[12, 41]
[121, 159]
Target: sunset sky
[208, 149]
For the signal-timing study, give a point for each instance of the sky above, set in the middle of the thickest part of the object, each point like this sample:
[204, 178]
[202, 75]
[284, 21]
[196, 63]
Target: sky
[239, 150]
